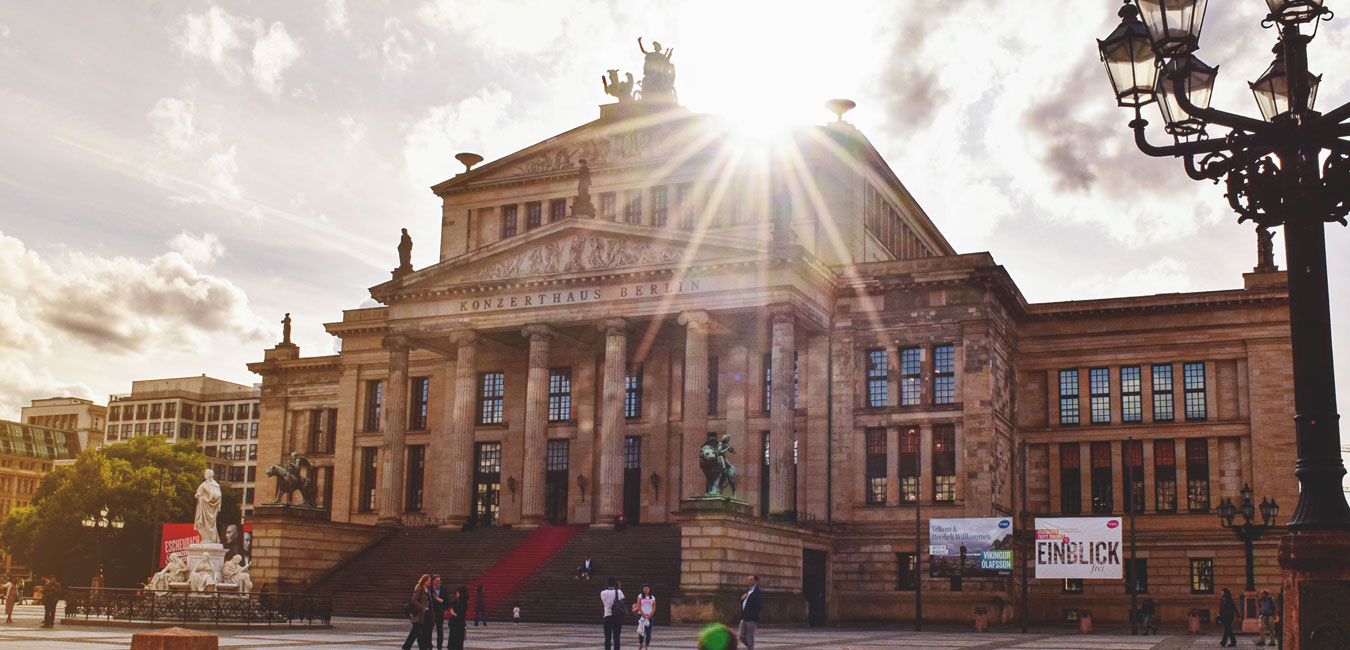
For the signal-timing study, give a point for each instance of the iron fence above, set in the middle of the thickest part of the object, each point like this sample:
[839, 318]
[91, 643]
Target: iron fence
[208, 608]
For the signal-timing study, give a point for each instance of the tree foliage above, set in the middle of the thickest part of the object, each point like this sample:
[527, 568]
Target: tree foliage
[146, 481]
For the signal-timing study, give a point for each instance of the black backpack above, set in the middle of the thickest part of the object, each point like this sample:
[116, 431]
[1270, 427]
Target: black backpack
[618, 608]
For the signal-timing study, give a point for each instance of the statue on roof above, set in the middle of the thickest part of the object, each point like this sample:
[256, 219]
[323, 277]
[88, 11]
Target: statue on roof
[286, 329]
[405, 252]
[1265, 250]
[621, 90]
[658, 73]
[581, 205]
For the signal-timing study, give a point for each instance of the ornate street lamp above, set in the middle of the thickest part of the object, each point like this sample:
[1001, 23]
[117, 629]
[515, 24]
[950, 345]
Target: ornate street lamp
[1197, 82]
[1174, 25]
[99, 525]
[1248, 531]
[1130, 62]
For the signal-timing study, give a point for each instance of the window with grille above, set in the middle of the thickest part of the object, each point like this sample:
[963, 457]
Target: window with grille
[1070, 479]
[417, 420]
[712, 386]
[1202, 575]
[534, 215]
[1197, 475]
[907, 569]
[559, 394]
[315, 431]
[1193, 381]
[489, 458]
[768, 382]
[1099, 389]
[632, 209]
[876, 466]
[509, 221]
[1068, 397]
[1163, 409]
[659, 206]
[1131, 399]
[212, 414]
[374, 394]
[1102, 501]
[632, 452]
[558, 456]
[608, 206]
[417, 465]
[944, 462]
[688, 208]
[877, 383]
[369, 458]
[156, 408]
[944, 374]
[491, 389]
[908, 470]
[632, 393]
[1165, 475]
[171, 410]
[909, 376]
[226, 414]
[1133, 453]
[557, 210]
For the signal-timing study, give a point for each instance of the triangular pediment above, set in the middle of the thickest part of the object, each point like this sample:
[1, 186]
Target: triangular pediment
[578, 247]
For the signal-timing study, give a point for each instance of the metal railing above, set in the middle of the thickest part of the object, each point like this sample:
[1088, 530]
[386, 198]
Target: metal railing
[207, 608]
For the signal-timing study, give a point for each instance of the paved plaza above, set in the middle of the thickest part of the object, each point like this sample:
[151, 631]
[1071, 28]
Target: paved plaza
[353, 633]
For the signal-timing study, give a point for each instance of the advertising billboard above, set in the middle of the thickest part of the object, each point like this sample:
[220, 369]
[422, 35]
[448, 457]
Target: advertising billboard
[176, 538]
[1078, 547]
[973, 548]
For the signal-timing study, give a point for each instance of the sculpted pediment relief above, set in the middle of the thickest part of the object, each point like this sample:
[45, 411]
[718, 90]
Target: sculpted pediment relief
[574, 254]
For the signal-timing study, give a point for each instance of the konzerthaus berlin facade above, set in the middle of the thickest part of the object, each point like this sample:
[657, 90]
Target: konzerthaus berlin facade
[585, 330]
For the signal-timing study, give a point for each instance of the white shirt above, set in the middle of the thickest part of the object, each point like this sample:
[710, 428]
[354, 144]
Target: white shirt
[607, 598]
[747, 596]
[647, 605]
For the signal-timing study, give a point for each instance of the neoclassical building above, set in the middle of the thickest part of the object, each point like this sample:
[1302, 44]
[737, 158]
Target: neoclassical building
[607, 299]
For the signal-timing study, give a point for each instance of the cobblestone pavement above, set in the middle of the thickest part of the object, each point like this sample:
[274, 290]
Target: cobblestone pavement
[353, 633]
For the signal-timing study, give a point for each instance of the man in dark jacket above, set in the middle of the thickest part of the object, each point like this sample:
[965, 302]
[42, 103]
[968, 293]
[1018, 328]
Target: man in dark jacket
[437, 611]
[51, 593]
[751, 601]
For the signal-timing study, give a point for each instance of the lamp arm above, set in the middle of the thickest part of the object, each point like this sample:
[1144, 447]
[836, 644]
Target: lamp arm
[1214, 115]
[1207, 171]
[1338, 114]
[1179, 149]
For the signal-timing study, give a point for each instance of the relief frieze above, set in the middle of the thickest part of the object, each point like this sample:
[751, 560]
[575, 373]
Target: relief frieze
[574, 255]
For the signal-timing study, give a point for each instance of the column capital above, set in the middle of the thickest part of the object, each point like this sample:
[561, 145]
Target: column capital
[538, 331]
[696, 319]
[397, 343]
[464, 337]
[782, 311]
[614, 326]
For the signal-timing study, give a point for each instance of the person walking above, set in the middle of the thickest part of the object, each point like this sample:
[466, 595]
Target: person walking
[751, 602]
[437, 611]
[1147, 610]
[417, 611]
[645, 608]
[51, 594]
[612, 599]
[13, 590]
[1265, 608]
[479, 607]
[1227, 612]
[458, 610]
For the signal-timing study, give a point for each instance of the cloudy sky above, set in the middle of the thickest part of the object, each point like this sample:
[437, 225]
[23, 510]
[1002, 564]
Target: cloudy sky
[176, 175]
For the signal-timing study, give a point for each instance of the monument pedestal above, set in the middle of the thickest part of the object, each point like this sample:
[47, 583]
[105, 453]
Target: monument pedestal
[215, 553]
[1316, 589]
[293, 546]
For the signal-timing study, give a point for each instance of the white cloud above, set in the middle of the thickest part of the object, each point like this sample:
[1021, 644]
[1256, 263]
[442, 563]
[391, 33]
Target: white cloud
[198, 251]
[335, 16]
[355, 131]
[477, 123]
[1163, 275]
[221, 38]
[221, 171]
[274, 52]
[401, 48]
[174, 123]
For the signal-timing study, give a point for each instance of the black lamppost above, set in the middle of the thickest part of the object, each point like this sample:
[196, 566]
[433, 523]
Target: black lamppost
[100, 524]
[1249, 531]
[1291, 168]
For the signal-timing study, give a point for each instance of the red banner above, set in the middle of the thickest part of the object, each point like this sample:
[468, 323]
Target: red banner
[176, 538]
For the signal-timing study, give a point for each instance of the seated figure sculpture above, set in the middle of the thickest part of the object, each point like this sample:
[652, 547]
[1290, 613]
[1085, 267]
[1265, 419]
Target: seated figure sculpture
[175, 571]
[203, 577]
[237, 574]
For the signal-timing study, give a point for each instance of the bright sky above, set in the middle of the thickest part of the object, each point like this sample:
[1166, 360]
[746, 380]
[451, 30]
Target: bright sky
[178, 175]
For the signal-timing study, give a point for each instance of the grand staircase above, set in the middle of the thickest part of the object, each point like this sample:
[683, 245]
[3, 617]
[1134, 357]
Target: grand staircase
[534, 569]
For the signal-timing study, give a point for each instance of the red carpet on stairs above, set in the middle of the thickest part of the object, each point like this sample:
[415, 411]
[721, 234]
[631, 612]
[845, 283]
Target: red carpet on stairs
[518, 565]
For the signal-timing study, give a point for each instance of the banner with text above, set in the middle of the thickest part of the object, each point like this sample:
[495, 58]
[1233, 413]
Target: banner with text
[1078, 547]
[175, 540]
[974, 548]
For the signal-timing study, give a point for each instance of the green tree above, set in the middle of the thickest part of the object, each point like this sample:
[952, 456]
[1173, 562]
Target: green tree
[146, 481]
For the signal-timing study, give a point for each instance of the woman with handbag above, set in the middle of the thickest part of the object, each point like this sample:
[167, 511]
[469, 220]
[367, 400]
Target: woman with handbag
[417, 611]
[1227, 612]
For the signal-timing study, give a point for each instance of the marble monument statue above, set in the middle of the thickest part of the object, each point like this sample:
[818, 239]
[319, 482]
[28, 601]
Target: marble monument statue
[208, 508]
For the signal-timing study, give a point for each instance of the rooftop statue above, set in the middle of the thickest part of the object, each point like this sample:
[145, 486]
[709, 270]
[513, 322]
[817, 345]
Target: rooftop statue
[405, 252]
[658, 73]
[622, 90]
[286, 329]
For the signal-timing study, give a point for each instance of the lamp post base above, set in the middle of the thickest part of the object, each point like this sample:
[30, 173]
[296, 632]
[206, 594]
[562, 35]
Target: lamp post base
[1316, 568]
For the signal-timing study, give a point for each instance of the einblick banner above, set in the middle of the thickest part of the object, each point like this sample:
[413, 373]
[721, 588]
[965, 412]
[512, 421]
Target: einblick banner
[1078, 547]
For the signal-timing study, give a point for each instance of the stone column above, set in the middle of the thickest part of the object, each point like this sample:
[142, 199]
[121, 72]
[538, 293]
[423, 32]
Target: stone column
[459, 469]
[695, 407]
[536, 426]
[781, 487]
[609, 479]
[394, 423]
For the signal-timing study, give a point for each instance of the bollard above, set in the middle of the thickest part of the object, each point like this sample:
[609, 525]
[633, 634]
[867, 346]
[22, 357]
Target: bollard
[981, 619]
[1194, 625]
[1085, 622]
[174, 638]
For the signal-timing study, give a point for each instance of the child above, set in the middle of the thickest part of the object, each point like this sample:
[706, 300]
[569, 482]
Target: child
[515, 614]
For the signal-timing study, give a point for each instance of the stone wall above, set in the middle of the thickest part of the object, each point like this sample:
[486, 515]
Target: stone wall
[291, 549]
[720, 549]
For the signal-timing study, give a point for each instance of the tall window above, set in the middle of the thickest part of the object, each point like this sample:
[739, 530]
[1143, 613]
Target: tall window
[944, 374]
[944, 462]
[632, 452]
[1163, 410]
[795, 392]
[315, 431]
[1131, 400]
[559, 394]
[1197, 475]
[1102, 501]
[632, 393]
[1070, 479]
[688, 209]
[608, 208]
[534, 215]
[1136, 576]
[877, 384]
[1099, 387]
[1068, 397]
[907, 565]
[374, 395]
[1202, 575]
[876, 466]
[114, 413]
[768, 382]
[1165, 475]
[369, 461]
[509, 221]
[909, 376]
[632, 209]
[226, 414]
[712, 386]
[909, 465]
[1193, 378]
[329, 436]
[1133, 453]
[212, 414]
[155, 411]
[557, 210]
[558, 455]
[659, 206]
[171, 410]
[420, 398]
[491, 388]
[417, 466]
